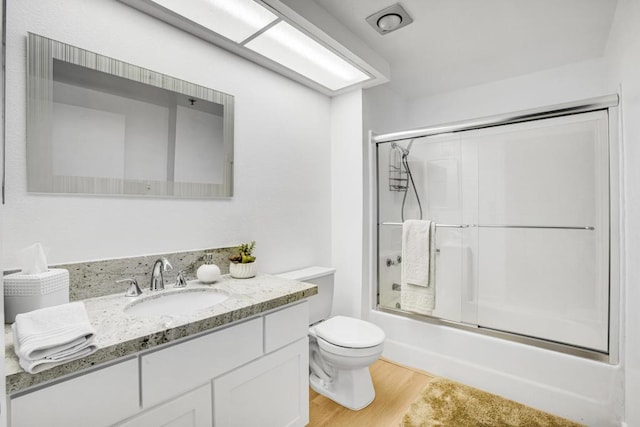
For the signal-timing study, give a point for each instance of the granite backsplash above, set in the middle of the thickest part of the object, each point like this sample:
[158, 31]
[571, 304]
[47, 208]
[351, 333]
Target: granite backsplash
[98, 278]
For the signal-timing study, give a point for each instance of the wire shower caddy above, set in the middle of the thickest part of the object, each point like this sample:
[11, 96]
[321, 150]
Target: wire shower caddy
[398, 177]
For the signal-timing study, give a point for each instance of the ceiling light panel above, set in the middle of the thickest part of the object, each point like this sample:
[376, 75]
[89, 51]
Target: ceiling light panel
[295, 50]
[236, 20]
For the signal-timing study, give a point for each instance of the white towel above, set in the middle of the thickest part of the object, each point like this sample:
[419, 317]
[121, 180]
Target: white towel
[53, 335]
[418, 272]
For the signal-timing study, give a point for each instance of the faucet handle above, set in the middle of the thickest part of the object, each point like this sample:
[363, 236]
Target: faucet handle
[180, 281]
[134, 289]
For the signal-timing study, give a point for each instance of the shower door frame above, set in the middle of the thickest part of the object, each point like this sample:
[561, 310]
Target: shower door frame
[609, 104]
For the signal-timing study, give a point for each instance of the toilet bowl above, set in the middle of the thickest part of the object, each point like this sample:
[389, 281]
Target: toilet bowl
[341, 348]
[340, 352]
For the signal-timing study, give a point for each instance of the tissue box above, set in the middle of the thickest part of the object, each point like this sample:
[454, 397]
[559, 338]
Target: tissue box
[28, 292]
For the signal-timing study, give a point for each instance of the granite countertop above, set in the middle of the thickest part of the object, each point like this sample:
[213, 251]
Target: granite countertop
[120, 334]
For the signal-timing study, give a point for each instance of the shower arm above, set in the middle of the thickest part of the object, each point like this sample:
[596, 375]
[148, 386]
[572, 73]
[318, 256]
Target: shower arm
[408, 147]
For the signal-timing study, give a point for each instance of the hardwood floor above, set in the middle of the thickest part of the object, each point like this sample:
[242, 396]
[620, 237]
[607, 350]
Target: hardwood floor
[396, 388]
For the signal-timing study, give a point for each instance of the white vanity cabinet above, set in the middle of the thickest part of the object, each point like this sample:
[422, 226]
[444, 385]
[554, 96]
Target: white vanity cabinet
[254, 372]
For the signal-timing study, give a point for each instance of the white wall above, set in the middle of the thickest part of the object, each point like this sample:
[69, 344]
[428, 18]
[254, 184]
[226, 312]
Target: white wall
[346, 200]
[383, 111]
[623, 60]
[580, 389]
[569, 83]
[282, 193]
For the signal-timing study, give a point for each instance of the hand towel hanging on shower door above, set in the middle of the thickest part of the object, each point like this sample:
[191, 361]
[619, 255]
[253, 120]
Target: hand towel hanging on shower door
[418, 271]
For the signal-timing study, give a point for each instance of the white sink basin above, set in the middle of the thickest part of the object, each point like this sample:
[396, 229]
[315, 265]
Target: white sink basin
[183, 302]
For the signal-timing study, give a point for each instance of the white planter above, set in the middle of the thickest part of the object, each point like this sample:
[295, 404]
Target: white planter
[242, 271]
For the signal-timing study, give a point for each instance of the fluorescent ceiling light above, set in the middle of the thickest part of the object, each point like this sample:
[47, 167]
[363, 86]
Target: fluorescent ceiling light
[295, 50]
[248, 27]
[236, 20]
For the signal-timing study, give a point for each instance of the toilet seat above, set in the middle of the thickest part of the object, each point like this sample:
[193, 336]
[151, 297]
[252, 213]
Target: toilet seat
[348, 351]
[349, 333]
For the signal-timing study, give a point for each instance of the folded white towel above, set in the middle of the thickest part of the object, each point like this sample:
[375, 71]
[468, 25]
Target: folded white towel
[53, 335]
[417, 299]
[418, 256]
[418, 272]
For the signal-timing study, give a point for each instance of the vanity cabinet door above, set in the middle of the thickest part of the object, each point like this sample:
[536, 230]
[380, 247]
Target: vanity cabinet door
[98, 398]
[270, 392]
[192, 409]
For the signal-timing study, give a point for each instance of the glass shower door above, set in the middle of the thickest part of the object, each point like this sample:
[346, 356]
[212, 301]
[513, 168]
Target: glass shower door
[543, 229]
[434, 166]
[522, 236]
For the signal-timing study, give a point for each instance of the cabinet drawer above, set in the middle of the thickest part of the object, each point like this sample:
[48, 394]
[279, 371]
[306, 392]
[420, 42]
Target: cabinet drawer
[98, 398]
[184, 366]
[286, 326]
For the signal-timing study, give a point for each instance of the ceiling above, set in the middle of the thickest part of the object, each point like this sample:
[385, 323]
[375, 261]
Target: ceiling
[459, 43]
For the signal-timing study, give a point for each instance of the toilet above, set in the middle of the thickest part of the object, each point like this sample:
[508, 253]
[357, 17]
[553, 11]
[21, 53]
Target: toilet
[340, 348]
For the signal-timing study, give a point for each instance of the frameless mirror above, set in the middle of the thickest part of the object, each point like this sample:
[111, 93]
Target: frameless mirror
[96, 125]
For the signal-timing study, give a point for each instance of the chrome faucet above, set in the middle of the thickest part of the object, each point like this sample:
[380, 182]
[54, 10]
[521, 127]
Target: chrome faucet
[157, 278]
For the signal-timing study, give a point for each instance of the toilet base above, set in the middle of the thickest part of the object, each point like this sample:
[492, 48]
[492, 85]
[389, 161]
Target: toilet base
[351, 388]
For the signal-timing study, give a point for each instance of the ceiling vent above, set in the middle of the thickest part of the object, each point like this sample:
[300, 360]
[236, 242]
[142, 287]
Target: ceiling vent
[389, 19]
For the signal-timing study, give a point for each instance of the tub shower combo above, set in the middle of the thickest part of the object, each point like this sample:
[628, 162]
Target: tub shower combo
[525, 228]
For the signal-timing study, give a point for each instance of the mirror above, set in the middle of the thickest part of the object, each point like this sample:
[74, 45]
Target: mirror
[96, 125]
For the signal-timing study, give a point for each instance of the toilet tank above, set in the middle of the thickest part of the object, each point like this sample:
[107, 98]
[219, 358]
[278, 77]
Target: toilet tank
[320, 304]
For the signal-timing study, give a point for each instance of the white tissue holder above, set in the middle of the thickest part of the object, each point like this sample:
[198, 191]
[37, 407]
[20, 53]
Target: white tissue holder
[28, 292]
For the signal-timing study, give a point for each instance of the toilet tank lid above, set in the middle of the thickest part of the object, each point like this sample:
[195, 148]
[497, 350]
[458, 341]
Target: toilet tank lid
[307, 273]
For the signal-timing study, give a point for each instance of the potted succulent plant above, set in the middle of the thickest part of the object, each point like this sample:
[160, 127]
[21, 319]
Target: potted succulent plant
[243, 263]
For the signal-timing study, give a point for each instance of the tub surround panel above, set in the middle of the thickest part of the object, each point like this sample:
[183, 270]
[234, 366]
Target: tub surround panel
[121, 335]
